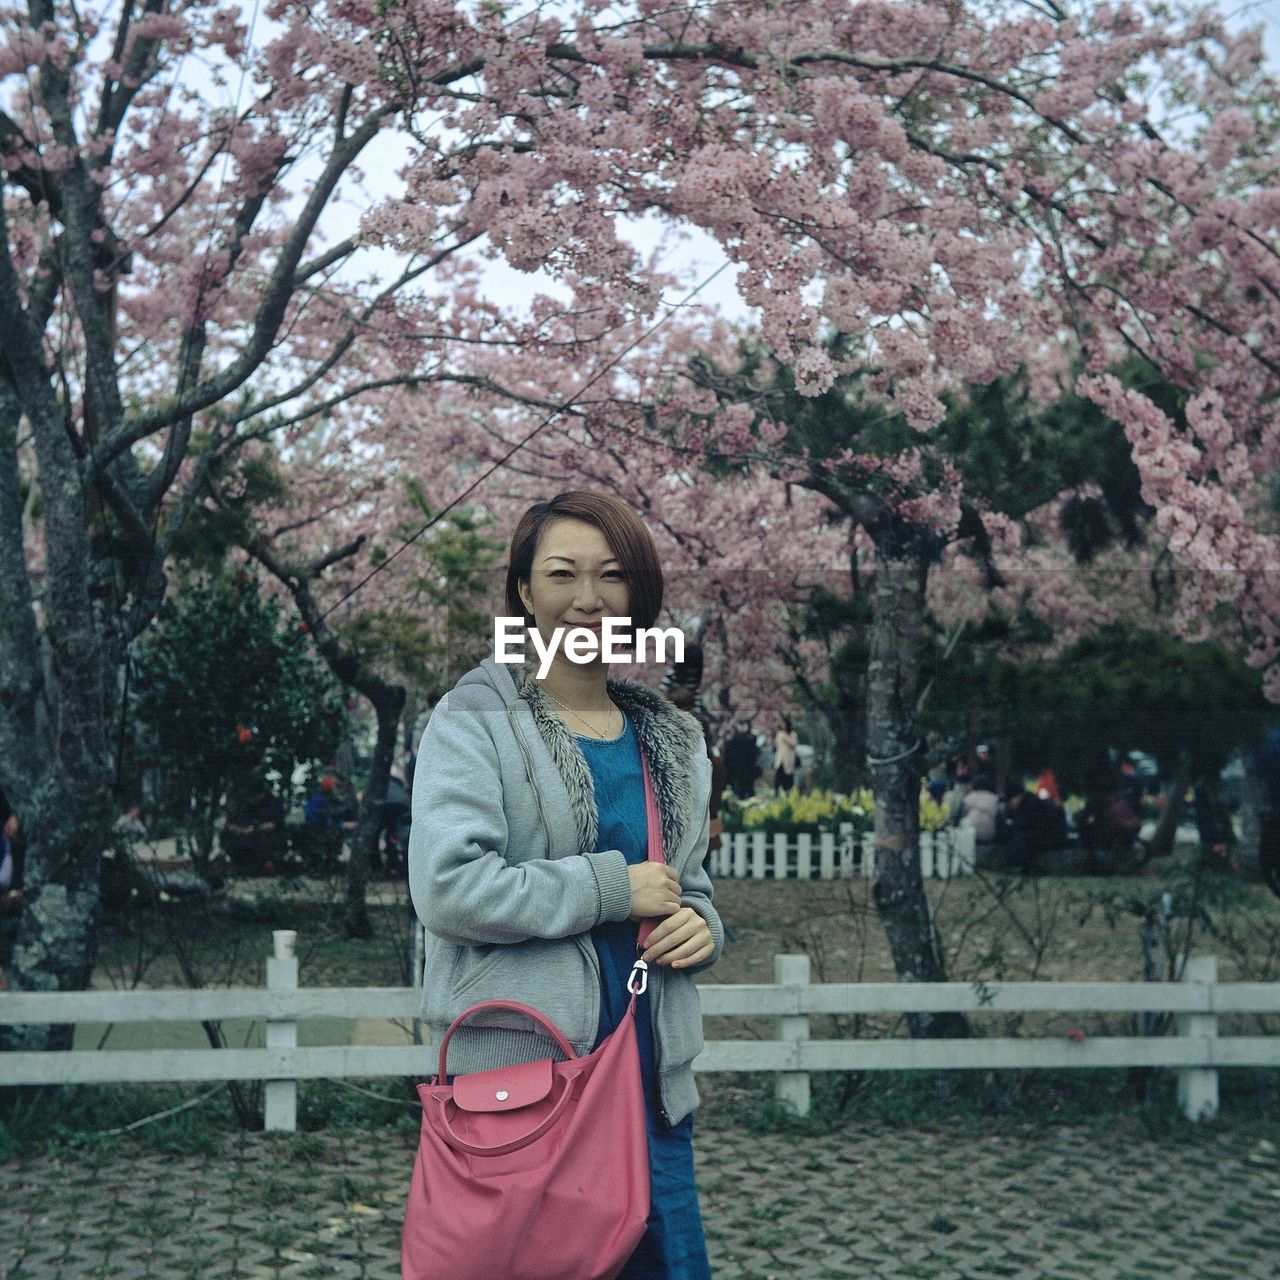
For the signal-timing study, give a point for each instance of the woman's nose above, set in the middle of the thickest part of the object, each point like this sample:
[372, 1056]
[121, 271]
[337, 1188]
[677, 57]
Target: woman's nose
[587, 598]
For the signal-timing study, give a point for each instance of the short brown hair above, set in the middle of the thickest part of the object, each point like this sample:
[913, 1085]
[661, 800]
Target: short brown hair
[627, 535]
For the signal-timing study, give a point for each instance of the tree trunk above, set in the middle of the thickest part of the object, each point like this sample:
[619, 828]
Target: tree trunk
[1252, 803]
[894, 760]
[63, 802]
[1175, 806]
[56, 945]
[848, 721]
[388, 701]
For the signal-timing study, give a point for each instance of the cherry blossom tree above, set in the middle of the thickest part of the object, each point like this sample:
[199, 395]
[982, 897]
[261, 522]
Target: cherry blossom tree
[169, 296]
[960, 194]
[959, 191]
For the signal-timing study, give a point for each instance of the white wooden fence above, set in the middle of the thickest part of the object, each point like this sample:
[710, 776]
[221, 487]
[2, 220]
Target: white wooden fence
[828, 856]
[1197, 1052]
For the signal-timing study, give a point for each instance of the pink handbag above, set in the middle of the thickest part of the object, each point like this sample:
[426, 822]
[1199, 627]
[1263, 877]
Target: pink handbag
[538, 1171]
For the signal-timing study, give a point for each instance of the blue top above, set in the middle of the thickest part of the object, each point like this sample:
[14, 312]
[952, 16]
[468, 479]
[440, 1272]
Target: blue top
[619, 786]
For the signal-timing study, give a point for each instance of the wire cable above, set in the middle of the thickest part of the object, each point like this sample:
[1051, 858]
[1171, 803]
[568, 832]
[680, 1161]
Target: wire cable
[506, 457]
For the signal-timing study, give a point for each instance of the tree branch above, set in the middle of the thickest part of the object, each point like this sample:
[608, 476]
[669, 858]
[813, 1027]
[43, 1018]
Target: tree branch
[317, 566]
[271, 310]
[344, 344]
[140, 68]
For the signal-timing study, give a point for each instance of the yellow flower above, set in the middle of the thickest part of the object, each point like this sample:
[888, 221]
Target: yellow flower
[933, 816]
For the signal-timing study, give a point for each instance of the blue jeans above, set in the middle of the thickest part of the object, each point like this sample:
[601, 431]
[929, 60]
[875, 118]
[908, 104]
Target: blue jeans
[673, 1246]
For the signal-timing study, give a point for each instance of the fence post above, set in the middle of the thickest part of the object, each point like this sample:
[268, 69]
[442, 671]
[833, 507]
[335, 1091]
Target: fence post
[792, 1088]
[1198, 1086]
[826, 856]
[804, 855]
[281, 1113]
[869, 855]
[781, 855]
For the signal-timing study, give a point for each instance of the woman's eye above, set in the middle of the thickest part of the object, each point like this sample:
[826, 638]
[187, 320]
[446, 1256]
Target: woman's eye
[561, 573]
[613, 575]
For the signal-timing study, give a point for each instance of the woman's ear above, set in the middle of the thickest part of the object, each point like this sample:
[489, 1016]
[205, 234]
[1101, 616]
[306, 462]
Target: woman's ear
[526, 597]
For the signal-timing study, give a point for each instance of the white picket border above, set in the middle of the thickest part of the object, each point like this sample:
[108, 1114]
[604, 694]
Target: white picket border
[825, 855]
[1196, 1052]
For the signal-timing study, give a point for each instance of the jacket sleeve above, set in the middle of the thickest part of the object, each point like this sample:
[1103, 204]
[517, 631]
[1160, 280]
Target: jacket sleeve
[462, 886]
[696, 892]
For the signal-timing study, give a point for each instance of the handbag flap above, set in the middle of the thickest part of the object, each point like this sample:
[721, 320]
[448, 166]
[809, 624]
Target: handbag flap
[503, 1088]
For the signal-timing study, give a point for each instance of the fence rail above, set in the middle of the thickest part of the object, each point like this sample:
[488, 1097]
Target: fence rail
[1196, 1052]
[826, 855]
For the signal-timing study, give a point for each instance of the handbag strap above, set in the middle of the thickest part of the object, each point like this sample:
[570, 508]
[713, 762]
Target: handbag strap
[653, 821]
[638, 980]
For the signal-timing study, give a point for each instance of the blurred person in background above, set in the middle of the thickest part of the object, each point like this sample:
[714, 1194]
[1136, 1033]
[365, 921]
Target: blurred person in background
[979, 808]
[1036, 824]
[1264, 760]
[785, 742]
[742, 760]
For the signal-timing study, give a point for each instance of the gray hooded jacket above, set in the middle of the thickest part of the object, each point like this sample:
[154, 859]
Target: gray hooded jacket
[507, 883]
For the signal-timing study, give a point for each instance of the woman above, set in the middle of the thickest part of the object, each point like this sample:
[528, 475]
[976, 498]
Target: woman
[527, 853]
[784, 755]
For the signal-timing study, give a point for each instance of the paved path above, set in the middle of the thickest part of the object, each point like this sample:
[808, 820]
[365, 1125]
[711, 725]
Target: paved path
[1049, 1204]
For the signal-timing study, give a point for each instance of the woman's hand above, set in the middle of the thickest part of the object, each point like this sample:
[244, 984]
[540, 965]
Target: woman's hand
[681, 940]
[655, 890]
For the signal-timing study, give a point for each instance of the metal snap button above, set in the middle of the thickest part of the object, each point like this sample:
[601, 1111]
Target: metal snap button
[502, 1095]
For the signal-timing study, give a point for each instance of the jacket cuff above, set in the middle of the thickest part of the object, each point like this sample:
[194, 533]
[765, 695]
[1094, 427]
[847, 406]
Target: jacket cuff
[613, 885]
[714, 923]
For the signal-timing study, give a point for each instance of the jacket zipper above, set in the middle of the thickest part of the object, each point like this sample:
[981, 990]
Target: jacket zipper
[655, 1003]
[656, 985]
[655, 999]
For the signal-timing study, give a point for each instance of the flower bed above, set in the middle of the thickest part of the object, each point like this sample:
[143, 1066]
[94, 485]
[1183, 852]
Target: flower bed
[829, 855]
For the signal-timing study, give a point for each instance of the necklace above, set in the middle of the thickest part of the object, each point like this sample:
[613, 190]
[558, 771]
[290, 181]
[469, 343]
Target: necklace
[598, 732]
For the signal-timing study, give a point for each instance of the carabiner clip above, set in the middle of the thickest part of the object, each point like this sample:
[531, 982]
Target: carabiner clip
[638, 985]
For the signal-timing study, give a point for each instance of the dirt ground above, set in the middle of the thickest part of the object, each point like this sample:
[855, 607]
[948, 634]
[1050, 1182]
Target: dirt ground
[1000, 928]
[1003, 927]
[992, 928]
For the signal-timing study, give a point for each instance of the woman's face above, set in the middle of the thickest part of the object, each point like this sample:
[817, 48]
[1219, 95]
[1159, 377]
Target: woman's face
[576, 580]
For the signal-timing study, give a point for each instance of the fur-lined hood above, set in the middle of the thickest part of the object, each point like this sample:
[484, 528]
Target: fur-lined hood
[672, 741]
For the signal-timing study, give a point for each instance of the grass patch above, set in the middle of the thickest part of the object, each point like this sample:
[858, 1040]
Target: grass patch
[95, 1120]
[49, 1121]
[372, 1104]
[975, 1103]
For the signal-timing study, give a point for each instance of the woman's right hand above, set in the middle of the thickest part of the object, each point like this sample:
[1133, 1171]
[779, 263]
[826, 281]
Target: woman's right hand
[655, 890]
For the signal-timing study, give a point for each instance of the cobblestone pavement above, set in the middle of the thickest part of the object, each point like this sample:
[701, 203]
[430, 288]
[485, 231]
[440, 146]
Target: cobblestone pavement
[1045, 1204]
